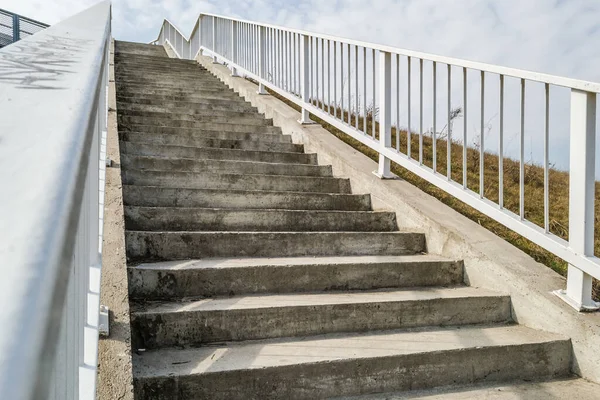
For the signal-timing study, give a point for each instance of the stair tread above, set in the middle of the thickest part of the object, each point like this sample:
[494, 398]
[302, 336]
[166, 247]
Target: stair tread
[243, 262]
[570, 388]
[239, 151]
[273, 353]
[313, 299]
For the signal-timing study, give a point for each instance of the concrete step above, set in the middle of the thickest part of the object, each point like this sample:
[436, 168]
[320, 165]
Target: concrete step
[560, 389]
[196, 121]
[153, 196]
[134, 56]
[189, 103]
[248, 220]
[194, 96]
[228, 128]
[199, 141]
[191, 86]
[195, 81]
[190, 115]
[223, 181]
[182, 108]
[138, 124]
[198, 322]
[342, 365]
[227, 167]
[126, 50]
[213, 153]
[274, 137]
[171, 280]
[163, 246]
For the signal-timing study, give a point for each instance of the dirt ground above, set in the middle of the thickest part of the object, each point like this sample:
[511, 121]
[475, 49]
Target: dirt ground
[115, 381]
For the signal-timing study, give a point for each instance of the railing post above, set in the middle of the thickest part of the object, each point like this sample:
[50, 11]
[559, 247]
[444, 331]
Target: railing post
[385, 112]
[261, 59]
[234, 47]
[214, 39]
[581, 197]
[304, 78]
[16, 28]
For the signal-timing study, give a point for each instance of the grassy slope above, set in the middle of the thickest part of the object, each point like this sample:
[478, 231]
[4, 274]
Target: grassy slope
[534, 188]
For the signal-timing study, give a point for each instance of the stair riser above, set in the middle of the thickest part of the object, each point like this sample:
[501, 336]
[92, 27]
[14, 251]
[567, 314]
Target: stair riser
[195, 121]
[149, 110]
[186, 98]
[151, 331]
[221, 135]
[171, 197]
[129, 52]
[236, 182]
[190, 115]
[179, 103]
[221, 92]
[183, 219]
[178, 109]
[229, 129]
[152, 284]
[192, 88]
[192, 82]
[363, 376]
[215, 153]
[225, 167]
[179, 140]
[140, 126]
[149, 246]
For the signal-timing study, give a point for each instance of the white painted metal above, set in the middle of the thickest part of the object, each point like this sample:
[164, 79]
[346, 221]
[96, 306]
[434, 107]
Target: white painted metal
[582, 195]
[261, 59]
[304, 82]
[522, 155]
[385, 110]
[234, 48]
[501, 147]
[434, 132]
[585, 262]
[51, 224]
[482, 139]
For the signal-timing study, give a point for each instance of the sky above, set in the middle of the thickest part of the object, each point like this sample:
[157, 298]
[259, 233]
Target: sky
[559, 37]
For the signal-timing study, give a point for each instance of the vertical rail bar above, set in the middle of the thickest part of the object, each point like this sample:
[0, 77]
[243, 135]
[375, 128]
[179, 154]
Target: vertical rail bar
[357, 114]
[581, 195]
[214, 39]
[398, 102]
[365, 90]
[501, 147]
[323, 73]
[304, 78]
[373, 130]
[449, 127]
[261, 58]
[421, 111]
[522, 155]
[234, 48]
[16, 28]
[316, 67]
[546, 159]
[482, 139]
[433, 134]
[409, 100]
[349, 89]
[465, 129]
[385, 108]
[342, 81]
[335, 103]
[328, 77]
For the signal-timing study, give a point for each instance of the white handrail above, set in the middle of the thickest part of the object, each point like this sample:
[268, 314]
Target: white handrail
[53, 102]
[335, 78]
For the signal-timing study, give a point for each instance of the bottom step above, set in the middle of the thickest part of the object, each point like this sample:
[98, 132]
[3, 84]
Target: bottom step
[574, 389]
[345, 365]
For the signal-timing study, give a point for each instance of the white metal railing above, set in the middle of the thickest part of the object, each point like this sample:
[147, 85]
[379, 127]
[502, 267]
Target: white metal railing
[352, 84]
[53, 123]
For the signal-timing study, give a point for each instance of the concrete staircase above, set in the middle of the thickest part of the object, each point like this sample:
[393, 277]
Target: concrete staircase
[254, 273]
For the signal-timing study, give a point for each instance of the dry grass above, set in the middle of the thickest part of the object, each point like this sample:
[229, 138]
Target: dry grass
[534, 186]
